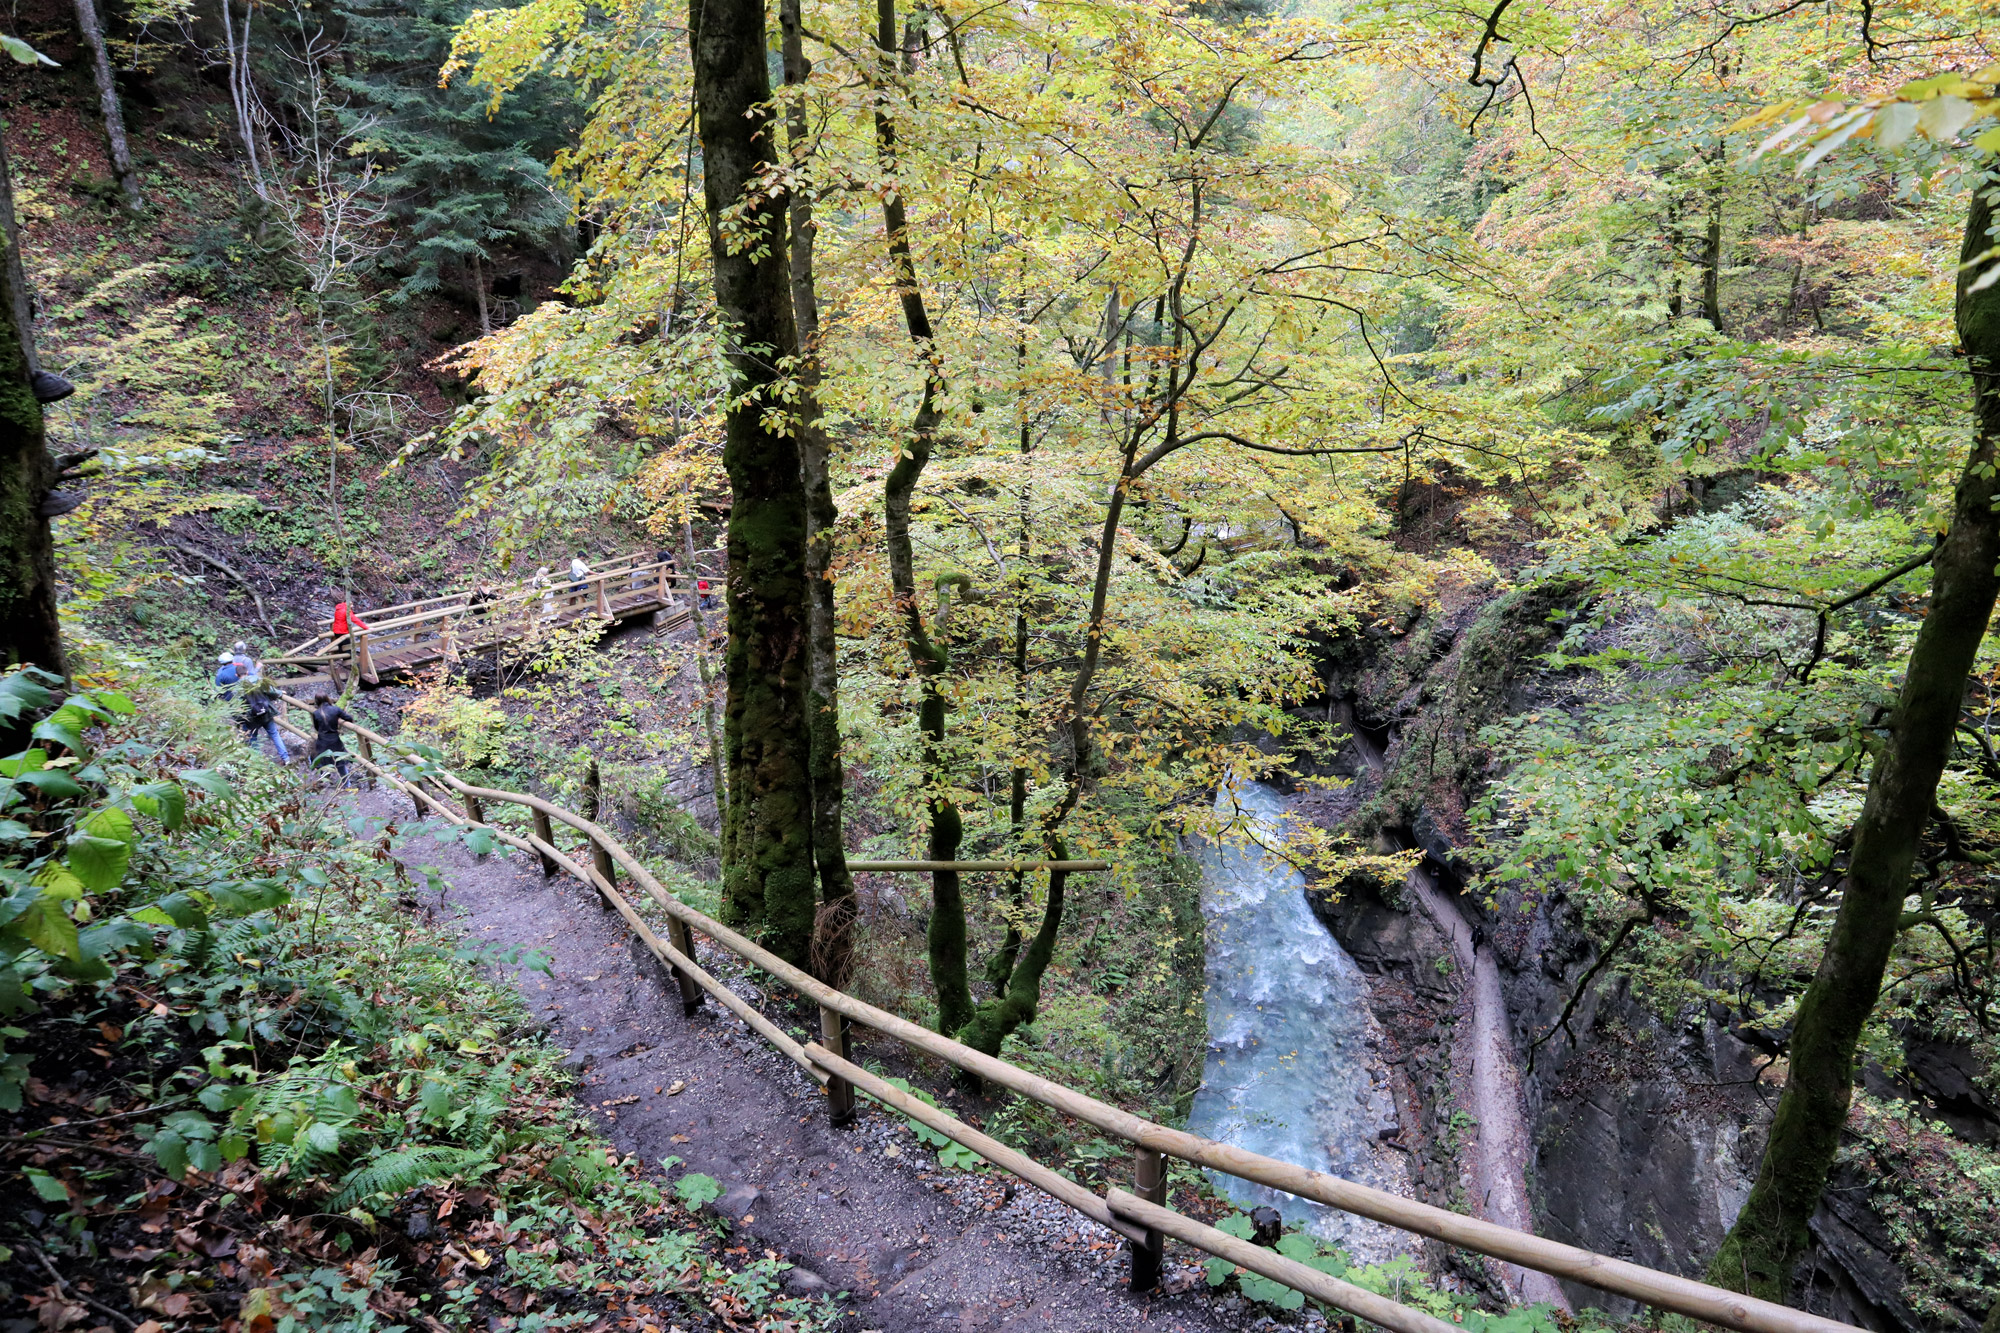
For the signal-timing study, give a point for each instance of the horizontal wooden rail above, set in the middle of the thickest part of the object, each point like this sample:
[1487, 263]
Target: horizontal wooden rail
[979, 865]
[1685, 1296]
[1052, 1183]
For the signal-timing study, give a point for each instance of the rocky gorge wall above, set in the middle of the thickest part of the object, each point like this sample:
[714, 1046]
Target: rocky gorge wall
[1645, 1131]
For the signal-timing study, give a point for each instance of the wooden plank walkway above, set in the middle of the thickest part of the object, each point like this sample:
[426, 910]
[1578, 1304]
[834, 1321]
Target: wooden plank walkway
[455, 625]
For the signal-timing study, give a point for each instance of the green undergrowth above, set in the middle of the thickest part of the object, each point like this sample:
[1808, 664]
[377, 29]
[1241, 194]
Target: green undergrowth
[248, 1081]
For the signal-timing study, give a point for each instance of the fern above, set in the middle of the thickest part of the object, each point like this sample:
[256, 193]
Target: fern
[397, 1172]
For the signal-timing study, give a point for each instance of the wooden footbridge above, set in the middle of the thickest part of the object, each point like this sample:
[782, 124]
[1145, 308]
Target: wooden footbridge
[395, 639]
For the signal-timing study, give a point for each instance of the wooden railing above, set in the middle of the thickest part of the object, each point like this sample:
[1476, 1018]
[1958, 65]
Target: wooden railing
[440, 627]
[1139, 1215]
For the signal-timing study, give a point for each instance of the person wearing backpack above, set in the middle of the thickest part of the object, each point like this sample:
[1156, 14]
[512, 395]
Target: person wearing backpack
[225, 677]
[329, 748]
[260, 713]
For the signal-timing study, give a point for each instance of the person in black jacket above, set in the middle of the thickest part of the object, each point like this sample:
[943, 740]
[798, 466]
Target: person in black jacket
[327, 741]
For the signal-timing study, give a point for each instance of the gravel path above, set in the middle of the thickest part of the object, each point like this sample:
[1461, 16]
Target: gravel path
[864, 1209]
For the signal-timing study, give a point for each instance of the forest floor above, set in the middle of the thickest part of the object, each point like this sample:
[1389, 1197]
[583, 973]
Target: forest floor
[865, 1209]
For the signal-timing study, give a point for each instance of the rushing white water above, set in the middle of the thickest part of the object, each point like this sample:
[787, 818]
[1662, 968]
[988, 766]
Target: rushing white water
[1293, 1066]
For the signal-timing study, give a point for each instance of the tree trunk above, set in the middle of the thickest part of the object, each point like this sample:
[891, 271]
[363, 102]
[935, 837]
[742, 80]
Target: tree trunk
[1770, 1235]
[1711, 261]
[836, 885]
[767, 834]
[242, 92]
[29, 631]
[478, 290]
[119, 149]
[946, 934]
[1022, 994]
[703, 670]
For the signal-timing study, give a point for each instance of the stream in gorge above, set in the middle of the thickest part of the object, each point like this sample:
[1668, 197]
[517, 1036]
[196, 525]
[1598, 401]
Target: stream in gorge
[1294, 1067]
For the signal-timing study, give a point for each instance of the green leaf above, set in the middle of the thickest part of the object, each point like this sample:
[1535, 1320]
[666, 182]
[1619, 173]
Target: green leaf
[52, 729]
[24, 53]
[1271, 1293]
[52, 782]
[695, 1189]
[27, 761]
[164, 801]
[47, 1186]
[170, 1151]
[46, 926]
[98, 862]
[435, 1098]
[114, 702]
[20, 692]
[1218, 1271]
[181, 909]
[1296, 1245]
[322, 1137]
[1237, 1225]
[209, 781]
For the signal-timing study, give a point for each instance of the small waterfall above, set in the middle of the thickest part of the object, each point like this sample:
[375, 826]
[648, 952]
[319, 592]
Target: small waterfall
[1294, 1070]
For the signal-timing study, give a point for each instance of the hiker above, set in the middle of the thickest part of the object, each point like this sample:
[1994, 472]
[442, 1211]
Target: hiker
[578, 572]
[707, 597]
[327, 740]
[246, 667]
[345, 621]
[225, 677]
[541, 580]
[260, 713]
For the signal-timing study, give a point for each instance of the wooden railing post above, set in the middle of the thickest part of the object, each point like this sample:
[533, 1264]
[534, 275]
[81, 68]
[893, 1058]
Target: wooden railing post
[364, 661]
[682, 939]
[833, 1034]
[606, 868]
[603, 604]
[473, 810]
[1149, 1182]
[546, 832]
[367, 753]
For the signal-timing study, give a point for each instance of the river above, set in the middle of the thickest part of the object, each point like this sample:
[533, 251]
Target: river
[1294, 1067]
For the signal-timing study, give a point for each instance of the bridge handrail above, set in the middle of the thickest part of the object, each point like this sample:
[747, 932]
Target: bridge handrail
[1667, 1291]
[625, 563]
[449, 608]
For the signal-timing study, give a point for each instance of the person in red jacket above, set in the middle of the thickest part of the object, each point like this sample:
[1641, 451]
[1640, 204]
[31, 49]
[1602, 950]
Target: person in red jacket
[345, 621]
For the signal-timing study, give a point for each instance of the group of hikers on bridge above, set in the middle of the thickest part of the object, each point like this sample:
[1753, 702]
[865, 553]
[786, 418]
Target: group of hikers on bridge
[240, 677]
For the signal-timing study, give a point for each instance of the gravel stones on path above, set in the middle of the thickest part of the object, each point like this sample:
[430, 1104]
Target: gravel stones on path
[864, 1209]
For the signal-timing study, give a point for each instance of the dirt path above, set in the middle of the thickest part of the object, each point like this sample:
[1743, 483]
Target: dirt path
[864, 1209]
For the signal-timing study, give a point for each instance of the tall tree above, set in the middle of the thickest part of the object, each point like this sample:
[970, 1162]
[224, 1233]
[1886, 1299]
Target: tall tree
[119, 149]
[29, 630]
[767, 834]
[462, 176]
[829, 780]
[1771, 1233]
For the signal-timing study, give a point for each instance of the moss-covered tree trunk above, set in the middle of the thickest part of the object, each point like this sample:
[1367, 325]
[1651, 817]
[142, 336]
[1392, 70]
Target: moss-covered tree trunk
[946, 933]
[1771, 1234]
[829, 779]
[29, 632]
[767, 833]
